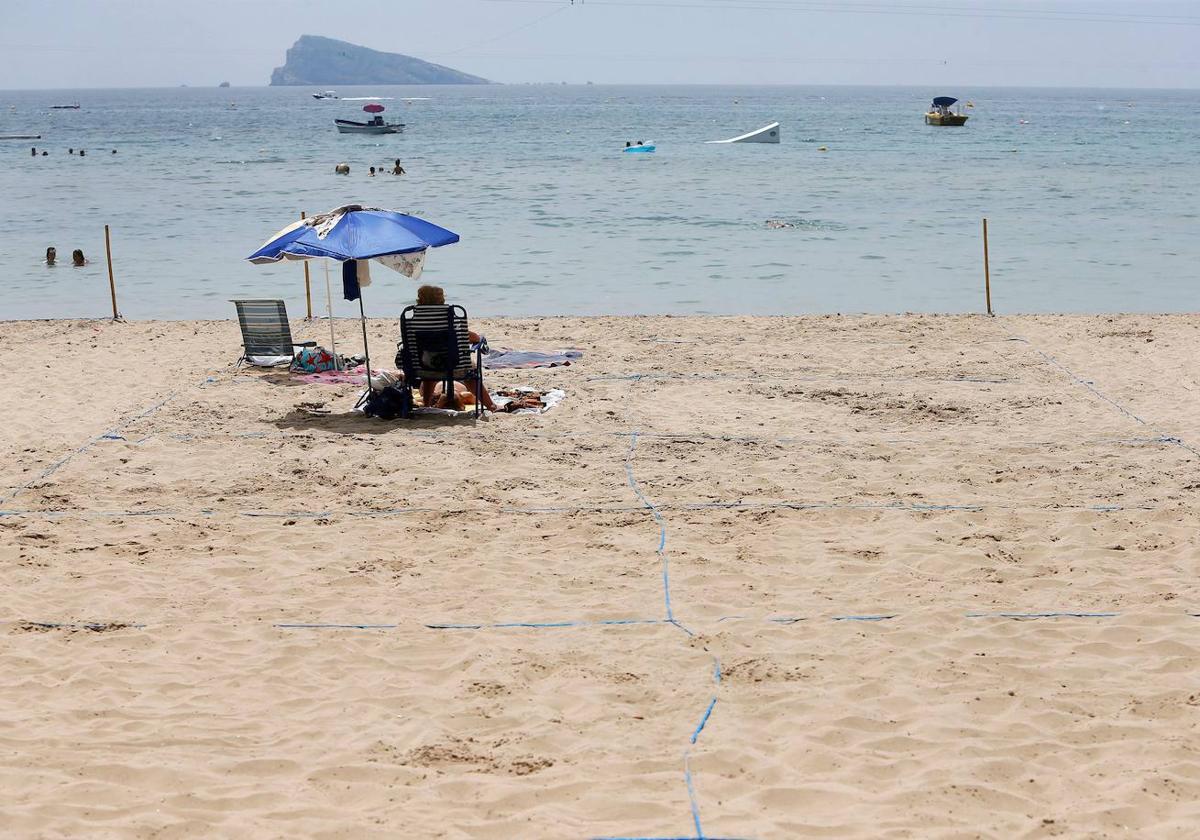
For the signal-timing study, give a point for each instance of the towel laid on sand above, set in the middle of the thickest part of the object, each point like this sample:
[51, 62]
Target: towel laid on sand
[502, 357]
[521, 400]
[356, 376]
[514, 400]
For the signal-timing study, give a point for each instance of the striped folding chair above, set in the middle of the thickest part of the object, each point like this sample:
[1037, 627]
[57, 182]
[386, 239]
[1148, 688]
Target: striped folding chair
[266, 336]
[435, 347]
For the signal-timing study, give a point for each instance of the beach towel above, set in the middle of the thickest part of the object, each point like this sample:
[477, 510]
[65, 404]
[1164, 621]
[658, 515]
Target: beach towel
[504, 358]
[356, 375]
[355, 275]
[527, 400]
[334, 377]
[410, 265]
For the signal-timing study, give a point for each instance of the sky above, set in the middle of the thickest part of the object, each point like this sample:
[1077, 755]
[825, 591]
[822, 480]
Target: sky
[977, 43]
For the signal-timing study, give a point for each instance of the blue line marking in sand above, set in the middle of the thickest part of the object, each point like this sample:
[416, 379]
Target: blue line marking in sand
[79, 450]
[688, 506]
[662, 531]
[538, 625]
[687, 777]
[335, 626]
[1044, 615]
[616, 622]
[81, 625]
[1091, 386]
[111, 434]
[704, 719]
[736, 377]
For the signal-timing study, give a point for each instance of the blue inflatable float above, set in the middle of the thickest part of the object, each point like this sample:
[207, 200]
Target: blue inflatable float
[639, 148]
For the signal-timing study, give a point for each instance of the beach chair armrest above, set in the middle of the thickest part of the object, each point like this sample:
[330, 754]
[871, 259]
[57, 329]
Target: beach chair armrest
[304, 344]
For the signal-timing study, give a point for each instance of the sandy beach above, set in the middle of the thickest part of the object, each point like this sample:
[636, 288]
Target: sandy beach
[852, 577]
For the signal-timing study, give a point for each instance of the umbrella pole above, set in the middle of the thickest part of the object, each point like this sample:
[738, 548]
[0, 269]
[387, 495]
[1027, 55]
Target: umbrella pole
[366, 353]
[329, 309]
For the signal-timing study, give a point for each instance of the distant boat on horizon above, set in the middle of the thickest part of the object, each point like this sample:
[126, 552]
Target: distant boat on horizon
[74, 107]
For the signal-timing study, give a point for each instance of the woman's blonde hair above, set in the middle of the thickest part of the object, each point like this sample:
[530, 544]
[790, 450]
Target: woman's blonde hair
[430, 296]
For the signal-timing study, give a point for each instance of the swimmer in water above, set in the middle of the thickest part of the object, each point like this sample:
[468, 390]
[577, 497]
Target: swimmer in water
[51, 255]
[77, 258]
[371, 174]
[397, 169]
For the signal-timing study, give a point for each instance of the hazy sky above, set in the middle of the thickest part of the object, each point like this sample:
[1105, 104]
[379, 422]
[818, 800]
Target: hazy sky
[133, 43]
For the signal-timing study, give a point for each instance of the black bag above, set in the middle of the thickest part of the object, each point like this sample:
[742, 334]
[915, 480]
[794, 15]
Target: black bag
[387, 403]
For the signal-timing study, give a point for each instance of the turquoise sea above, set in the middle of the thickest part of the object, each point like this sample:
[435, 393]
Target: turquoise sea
[1092, 201]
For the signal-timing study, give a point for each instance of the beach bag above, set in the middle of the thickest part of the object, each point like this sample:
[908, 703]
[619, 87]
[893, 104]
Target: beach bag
[313, 360]
[387, 403]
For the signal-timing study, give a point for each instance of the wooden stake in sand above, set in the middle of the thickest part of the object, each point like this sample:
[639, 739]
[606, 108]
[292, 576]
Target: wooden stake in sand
[112, 284]
[307, 283]
[987, 272]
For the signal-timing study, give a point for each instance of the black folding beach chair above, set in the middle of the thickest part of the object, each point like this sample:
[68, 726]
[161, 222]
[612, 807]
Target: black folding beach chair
[435, 347]
[266, 336]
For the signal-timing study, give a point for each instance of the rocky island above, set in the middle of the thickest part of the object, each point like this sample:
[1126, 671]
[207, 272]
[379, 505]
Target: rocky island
[314, 60]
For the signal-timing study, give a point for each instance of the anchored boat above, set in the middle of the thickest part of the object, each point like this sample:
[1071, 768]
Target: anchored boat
[766, 134]
[939, 112]
[375, 125]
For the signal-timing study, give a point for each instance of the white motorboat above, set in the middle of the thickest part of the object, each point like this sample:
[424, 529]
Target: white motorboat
[326, 94]
[374, 126]
[766, 134]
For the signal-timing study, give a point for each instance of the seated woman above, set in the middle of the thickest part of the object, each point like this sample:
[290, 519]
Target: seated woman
[435, 296]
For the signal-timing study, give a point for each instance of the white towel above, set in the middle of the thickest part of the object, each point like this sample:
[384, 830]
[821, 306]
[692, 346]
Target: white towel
[410, 265]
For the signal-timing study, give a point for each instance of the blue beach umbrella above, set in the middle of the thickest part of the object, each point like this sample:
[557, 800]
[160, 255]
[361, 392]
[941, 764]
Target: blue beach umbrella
[353, 233]
[395, 239]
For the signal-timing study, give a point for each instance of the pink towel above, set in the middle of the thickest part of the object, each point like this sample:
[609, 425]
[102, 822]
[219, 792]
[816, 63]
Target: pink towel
[335, 377]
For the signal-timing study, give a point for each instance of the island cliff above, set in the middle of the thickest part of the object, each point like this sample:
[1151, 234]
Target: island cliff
[314, 60]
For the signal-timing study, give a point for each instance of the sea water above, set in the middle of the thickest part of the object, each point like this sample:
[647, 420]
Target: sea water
[1091, 196]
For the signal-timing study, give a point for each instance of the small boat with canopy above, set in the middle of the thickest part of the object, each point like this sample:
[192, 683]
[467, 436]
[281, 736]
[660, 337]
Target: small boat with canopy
[375, 125]
[940, 112]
